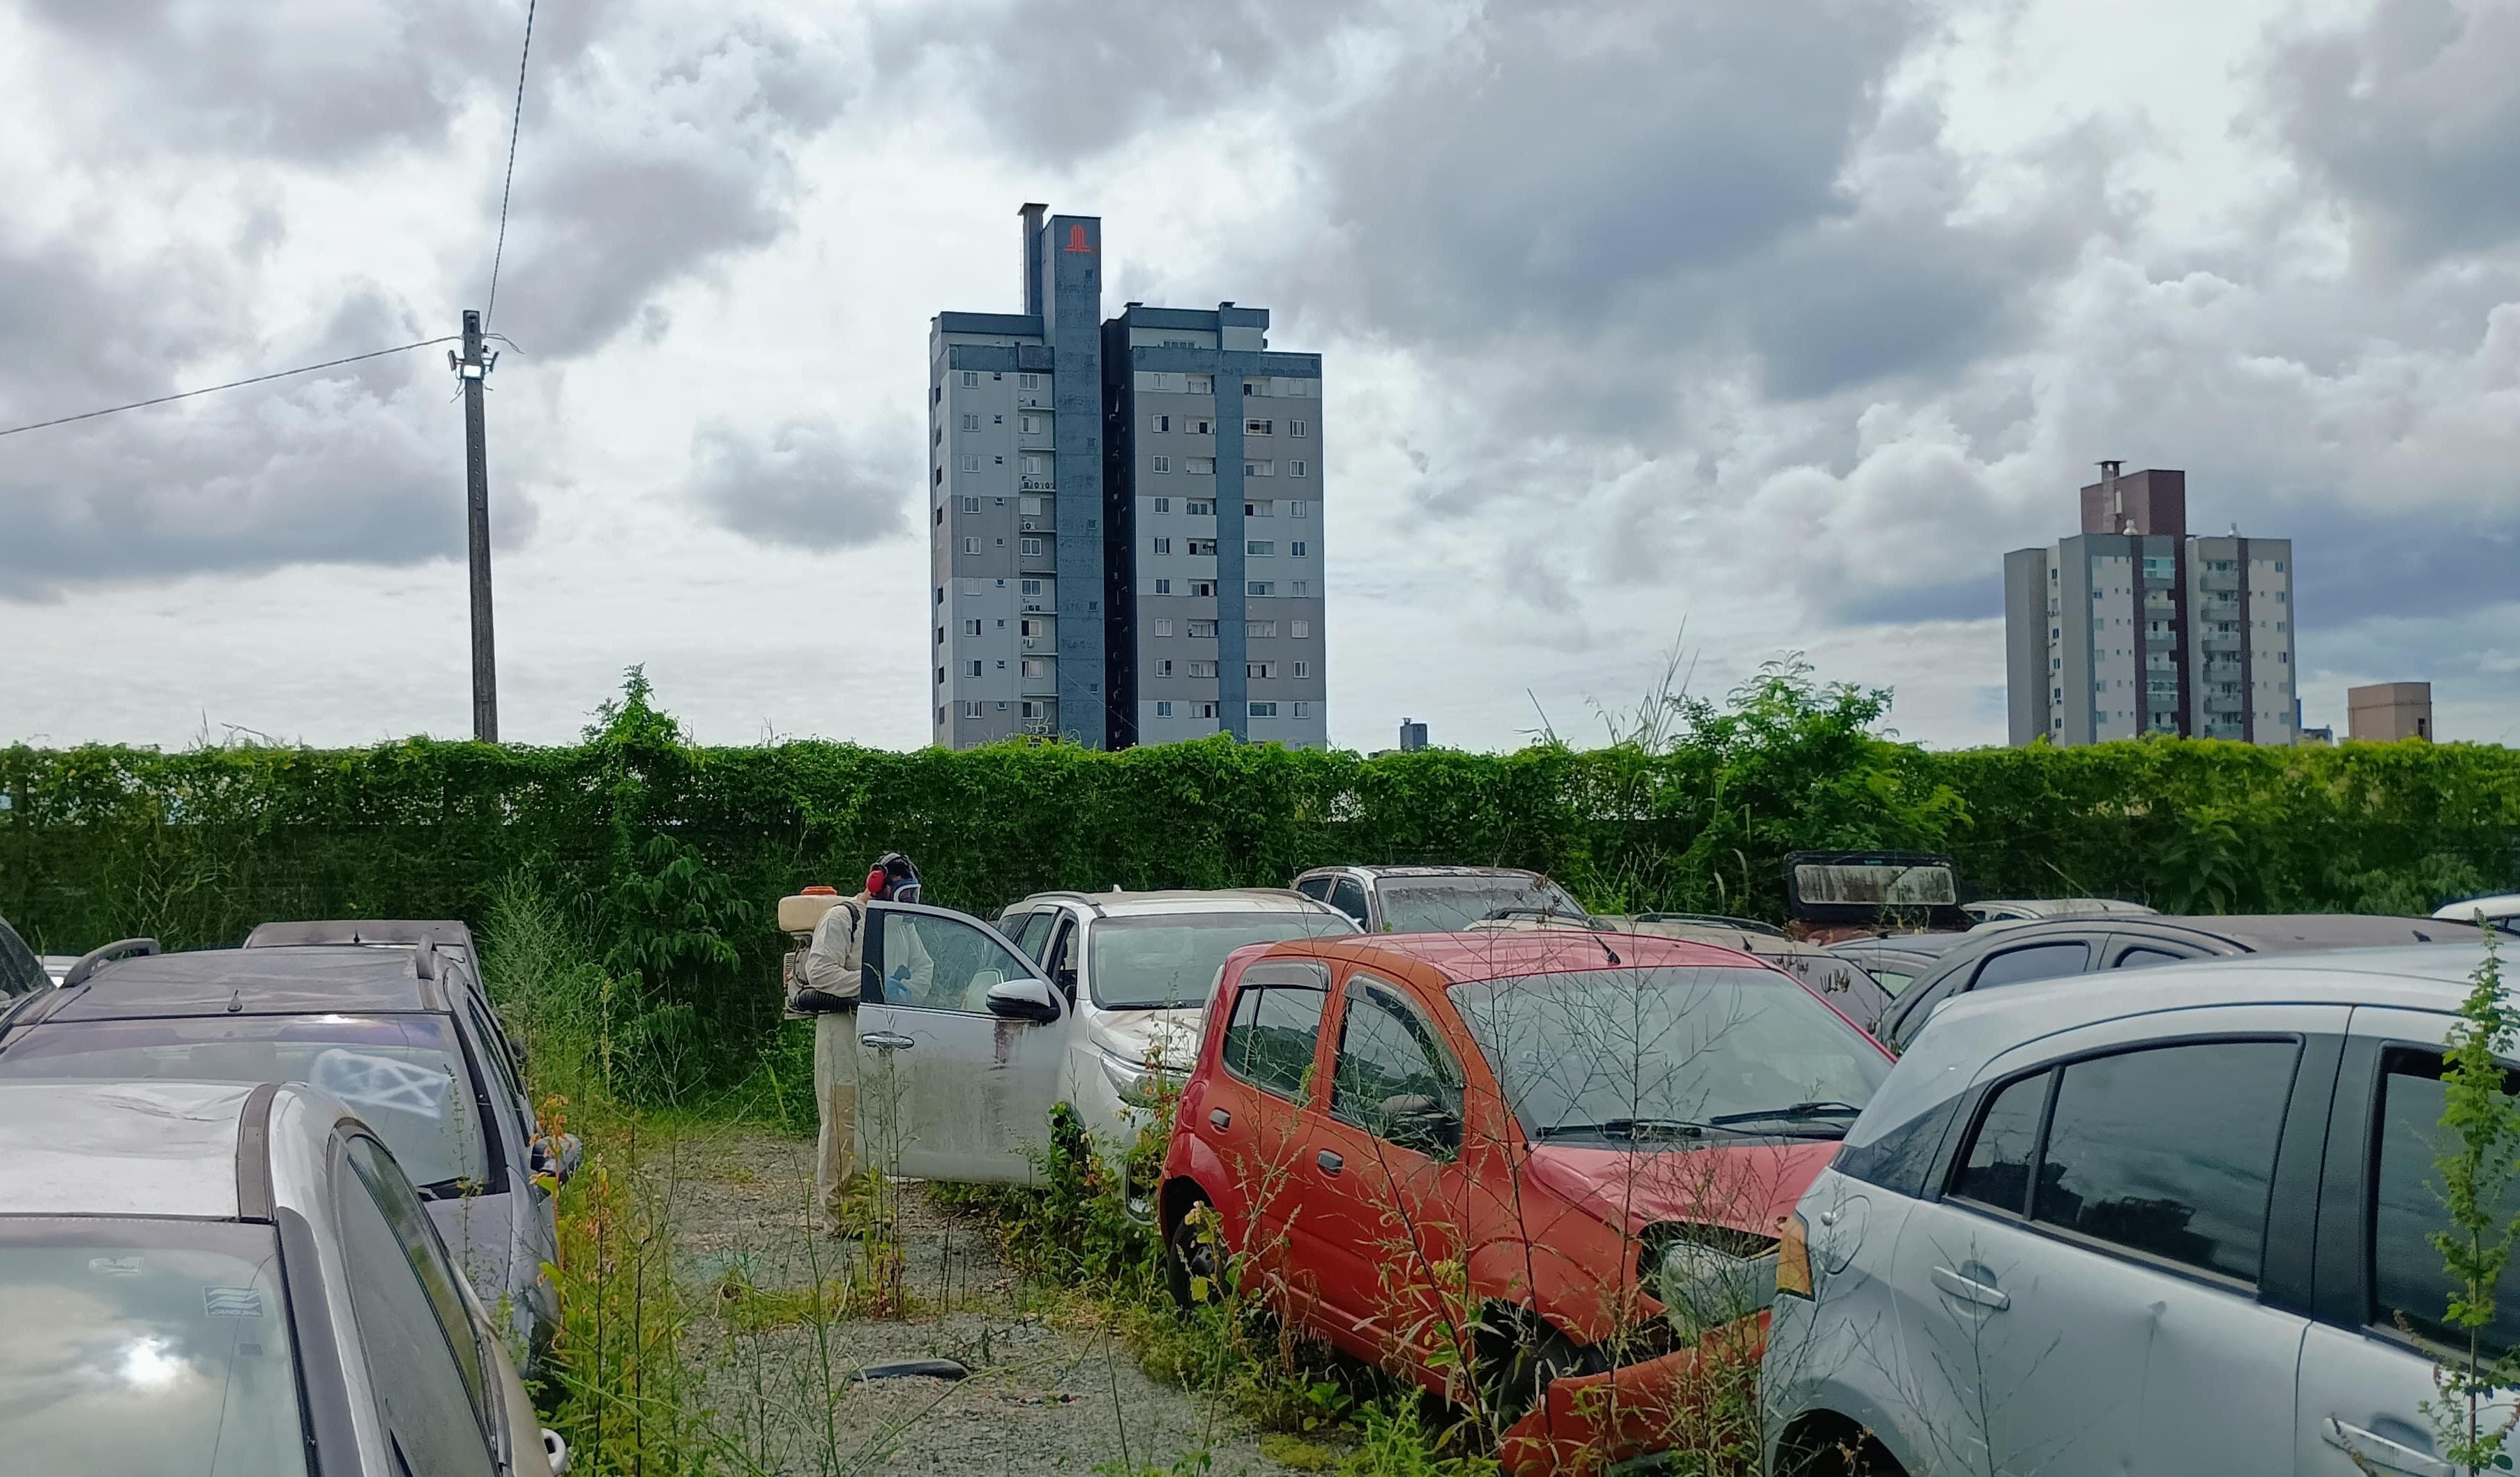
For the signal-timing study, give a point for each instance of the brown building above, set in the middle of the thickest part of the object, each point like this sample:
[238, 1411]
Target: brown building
[2386, 711]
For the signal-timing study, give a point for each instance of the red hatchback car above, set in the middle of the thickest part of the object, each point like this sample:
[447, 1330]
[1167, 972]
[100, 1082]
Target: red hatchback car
[1537, 1171]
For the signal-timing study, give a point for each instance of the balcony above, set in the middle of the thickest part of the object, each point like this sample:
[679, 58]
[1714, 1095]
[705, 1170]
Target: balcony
[1038, 523]
[2222, 644]
[1035, 483]
[2225, 702]
[2221, 581]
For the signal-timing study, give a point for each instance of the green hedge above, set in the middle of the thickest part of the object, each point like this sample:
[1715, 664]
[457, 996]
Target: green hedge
[673, 855]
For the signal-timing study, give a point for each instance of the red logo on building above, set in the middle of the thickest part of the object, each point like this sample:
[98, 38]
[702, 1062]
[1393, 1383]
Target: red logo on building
[1076, 240]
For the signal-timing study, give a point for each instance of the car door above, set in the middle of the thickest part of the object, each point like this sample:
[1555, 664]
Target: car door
[946, 1089]
[1348, 896]
[2097, 1289]
[2366, 1374]
[1381, 1199]
[1250, 1115]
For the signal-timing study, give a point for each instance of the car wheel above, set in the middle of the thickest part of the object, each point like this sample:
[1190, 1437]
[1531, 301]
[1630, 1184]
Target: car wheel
[1191, 1260]
[1835, 1448]
[1518, 1355]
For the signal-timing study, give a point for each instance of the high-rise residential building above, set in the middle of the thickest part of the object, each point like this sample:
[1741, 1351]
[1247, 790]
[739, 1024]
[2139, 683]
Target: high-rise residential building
[1125, 537]
[2137, 626]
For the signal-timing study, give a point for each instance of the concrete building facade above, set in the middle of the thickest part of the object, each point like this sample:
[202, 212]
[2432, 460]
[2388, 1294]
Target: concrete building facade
[2135, 626]
[2387, 711]
[1126, 520]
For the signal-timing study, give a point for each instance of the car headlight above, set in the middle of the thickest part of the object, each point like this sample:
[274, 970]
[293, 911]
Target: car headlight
[1707, 1276]
[1140, 1085]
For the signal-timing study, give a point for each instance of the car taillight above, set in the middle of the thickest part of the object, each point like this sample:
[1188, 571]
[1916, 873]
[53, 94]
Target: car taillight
[1793, 1257]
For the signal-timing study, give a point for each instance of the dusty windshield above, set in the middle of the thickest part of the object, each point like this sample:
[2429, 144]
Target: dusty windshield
[1170, 959]
[404, 1074]
[1678, 1053]
[141, 1346]
[1449, 905]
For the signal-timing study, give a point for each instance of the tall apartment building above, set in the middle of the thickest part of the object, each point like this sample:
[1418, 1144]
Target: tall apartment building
[2135, 626]
[1125, 540]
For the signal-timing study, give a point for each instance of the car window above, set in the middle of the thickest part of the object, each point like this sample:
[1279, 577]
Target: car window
[1031, 930]
[1063, 959]
[20, 972]
[1316, 888]
[406, 1074]
[422, 1393]
[1997, 1169]
[1389, 1066]
[487, 1039]
[428, 1256]
[934, 961]
[2407, 1277]
[1347, 895]
[1167, 960]
[1449, 904]
[146, 1346]
[2145, 959]
[1893, 980]
[2015, 966]
[2169, 1152]
[1269, 1041]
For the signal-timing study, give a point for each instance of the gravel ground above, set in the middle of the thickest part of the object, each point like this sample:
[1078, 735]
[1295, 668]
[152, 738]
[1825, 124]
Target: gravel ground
[1050, 1391]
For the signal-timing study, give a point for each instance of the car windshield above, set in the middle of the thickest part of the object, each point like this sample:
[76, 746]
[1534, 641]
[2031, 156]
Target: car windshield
[1158, 960]
[20, 972]
[146, 1346]
[404, 1074]
[1449, 905]
[1601, 1052]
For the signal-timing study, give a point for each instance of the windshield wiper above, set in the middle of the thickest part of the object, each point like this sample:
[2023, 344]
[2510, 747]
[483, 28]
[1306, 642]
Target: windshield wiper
[1794, 1112]
[1638, 1128]
[455, 1188]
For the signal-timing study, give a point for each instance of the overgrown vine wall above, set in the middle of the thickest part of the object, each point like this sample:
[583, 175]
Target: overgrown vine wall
[672, 855]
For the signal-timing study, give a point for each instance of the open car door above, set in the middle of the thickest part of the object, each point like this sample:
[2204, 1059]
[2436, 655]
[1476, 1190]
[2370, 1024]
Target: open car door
[959, 1054]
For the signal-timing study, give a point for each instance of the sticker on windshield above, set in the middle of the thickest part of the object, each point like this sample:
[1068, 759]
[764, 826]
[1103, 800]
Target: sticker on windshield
[232, 1302]
[382, 1083]
[115, 1267]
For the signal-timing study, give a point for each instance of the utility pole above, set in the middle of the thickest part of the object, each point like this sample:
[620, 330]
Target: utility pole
[475, 368]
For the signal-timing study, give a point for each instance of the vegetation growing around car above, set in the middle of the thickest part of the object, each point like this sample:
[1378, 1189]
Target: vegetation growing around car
[2479, 1161]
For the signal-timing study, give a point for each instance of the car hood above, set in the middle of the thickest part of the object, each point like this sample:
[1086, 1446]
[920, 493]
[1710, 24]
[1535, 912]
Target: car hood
[1167, 1038]
[1748, 1187]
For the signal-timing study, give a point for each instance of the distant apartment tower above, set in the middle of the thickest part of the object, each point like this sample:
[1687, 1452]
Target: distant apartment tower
[1125, 532]
[2137, 626]
[2387, 711]
[1412, 737]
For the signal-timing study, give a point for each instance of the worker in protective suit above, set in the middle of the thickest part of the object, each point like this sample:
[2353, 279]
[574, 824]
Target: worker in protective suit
[837, 974]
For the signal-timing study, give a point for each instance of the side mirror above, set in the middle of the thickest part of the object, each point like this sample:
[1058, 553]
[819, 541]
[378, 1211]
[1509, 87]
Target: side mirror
[1023, 1000]
[554, 1452]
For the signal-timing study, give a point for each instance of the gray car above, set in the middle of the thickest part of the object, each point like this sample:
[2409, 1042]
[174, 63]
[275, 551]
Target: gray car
[2175, 1225]
[236, 1281]
[1434, 898]
[401, 1034]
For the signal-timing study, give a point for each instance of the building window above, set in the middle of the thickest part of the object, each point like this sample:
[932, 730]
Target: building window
[1303, 587]
[975, 669]
[1163, 546]
[1032, 710]
[1036, 666]
[1260, 629]
[1032, 425]
[970, 423]
[940, 636]
[1165, 668]
[1260, 669]
[1258, 387]
[1163, 586]
[971, 545]
[1198, 425]
[1303, 669]
[1259, 427]
[1202, 630]
[1159, 425]
[1030, 586]
[1028, 627]
[1202, 710]
[1202, 669]
[1301, 630]
[1259, 587]
[1264, 548]
[1264, 710]
[1201, 384]
[1200, 507]
[1295, 468]
[1259, 468]
[971, 710]
[970, 505]
[1202, 589]
[1259, 510]
[1298, 428]
[1028, 506]
[971, 627]
[1296, 549]
[1163, 625]
[971, 379]
[1162, 464]
[1027, 382]
[1163, 504]
[1203, 548]
[1163, 707]
[1303, 710]
[1033, 466]
[1199, 466]
[970, 464]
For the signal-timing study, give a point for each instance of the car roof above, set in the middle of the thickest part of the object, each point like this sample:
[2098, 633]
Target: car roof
[292, 981]
[444, 933]
[154, 1148]
[1184, 900]
[2494, 905]
[1469, 958]
[2262, 933]
[1379, 871]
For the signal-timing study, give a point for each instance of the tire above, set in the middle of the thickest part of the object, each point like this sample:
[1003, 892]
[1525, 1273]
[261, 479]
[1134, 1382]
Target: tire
[1519, 1355]
[1834, 1447]
[1188, 1252]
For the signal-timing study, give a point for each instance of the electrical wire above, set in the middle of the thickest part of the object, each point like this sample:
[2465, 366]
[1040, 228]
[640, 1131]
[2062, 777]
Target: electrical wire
[211, 389]
[515, 124]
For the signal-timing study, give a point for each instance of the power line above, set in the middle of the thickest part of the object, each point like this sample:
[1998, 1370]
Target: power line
[211, 389]
[515, 124]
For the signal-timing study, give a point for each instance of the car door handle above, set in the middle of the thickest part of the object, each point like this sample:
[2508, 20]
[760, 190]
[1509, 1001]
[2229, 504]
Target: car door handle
[1952, 1284]
[1329, 1162]
[2376, 1449]
[887, 1041]
[1219, 1119]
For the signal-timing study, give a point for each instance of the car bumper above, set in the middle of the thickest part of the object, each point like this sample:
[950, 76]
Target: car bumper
[1626, 1420]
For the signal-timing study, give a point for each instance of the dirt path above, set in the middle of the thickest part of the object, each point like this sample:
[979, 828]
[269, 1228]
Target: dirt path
[1050, 1391]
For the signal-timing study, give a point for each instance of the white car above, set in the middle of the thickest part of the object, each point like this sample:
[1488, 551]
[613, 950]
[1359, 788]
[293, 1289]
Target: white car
[2180, 1224]
[233, 1280]
[1138, 968]
[2499, 911]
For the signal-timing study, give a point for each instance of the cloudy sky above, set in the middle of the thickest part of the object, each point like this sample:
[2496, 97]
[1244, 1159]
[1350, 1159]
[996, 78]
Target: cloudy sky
[1730, 328]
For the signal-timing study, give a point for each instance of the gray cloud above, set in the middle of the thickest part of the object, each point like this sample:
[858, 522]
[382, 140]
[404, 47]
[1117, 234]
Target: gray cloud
[2412, 117]
[808, 486]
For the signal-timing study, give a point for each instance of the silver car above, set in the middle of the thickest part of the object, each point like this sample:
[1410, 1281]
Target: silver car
[401, 1034]
[2179, 1224]
[239, 1281]
[1435, 898]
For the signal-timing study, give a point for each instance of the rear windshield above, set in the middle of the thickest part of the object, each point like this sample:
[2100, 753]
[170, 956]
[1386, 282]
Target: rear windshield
[1170, 959]
[404, 1074]
[1679, 1052]
[138, 1346]
[1449, 905]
